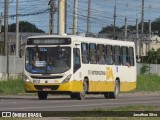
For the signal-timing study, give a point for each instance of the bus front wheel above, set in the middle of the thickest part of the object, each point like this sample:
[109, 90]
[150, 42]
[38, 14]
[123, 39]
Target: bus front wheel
[42, 95]
[81, 95]
[73, 95]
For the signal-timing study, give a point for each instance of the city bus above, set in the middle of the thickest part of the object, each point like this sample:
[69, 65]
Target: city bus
[76, 66]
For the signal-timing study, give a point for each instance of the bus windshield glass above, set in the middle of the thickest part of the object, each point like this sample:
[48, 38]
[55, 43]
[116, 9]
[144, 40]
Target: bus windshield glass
[48, 60]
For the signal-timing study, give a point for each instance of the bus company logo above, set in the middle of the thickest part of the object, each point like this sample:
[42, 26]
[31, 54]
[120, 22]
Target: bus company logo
[109, 73]
[6, 114]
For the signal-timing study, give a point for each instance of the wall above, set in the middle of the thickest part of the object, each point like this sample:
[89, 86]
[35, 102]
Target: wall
[15, 66]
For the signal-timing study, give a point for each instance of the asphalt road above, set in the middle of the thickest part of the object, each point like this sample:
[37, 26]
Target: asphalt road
[64, 103]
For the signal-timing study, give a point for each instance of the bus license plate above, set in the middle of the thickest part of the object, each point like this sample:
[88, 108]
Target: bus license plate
[46, 89]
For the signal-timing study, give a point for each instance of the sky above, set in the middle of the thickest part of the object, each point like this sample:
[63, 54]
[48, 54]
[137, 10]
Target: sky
[36, 12]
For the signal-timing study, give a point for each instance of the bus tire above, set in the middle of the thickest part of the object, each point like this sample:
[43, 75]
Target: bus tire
[114, 94]
[42, 95]
[81, 95]
[106, 95]
[73, 95]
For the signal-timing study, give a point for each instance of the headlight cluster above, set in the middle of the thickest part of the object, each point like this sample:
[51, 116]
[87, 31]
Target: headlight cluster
[67, 79]
[25, 78]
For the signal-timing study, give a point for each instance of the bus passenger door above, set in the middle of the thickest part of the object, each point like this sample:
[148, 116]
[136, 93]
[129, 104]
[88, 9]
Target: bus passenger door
[76, 59]
[77, 74]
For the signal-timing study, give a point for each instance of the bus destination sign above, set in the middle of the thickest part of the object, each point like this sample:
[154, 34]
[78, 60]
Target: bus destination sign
[49, 41]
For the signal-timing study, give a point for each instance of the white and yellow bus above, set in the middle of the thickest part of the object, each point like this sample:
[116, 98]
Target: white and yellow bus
[77, 66]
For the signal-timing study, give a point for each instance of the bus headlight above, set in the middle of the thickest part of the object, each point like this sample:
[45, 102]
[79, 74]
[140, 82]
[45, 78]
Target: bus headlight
[25, 78]
[67, 79]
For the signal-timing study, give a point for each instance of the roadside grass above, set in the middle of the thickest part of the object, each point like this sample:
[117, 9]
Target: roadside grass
[95, 112]
[118, 118]
[135, 108]
[122, 110]
[148, 82]
[11, 86]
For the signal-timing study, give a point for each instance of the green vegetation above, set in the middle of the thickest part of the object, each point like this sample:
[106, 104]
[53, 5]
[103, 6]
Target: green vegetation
[155, 27]
[148, 82]
[11, 86]
[144, 69]
[153, 57]
[24, 26]
[135, 108]
[118, 118]
[121, 111]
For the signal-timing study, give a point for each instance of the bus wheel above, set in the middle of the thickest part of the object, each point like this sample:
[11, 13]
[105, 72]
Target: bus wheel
[42, 95]
[73, 95]
[106, 95]
[81, 95]
[114, 94]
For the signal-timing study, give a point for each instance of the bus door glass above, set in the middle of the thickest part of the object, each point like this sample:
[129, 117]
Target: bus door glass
[76, 58]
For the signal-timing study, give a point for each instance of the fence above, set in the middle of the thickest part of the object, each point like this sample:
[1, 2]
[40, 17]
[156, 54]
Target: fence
[16, 65]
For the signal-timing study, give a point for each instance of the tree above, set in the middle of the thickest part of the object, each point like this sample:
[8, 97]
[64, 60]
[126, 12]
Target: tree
[153, 57]
[155, 27]
[109, 29]
[156, 24]
[24, 26]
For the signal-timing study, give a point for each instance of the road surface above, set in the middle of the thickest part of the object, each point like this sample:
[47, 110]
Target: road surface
[64, 103]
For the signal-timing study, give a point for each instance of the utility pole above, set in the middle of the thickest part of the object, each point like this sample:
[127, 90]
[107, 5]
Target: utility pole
[89, 18]
[61, 16]
[0, 24]
[114, 27]
[75, 14]
[1, 49]
[17, 30]
[6, 27]
[65, 16]
[142, 28]
[125, 34]
[150, 27]
[6, 53]
[137, 39]
[51, 20]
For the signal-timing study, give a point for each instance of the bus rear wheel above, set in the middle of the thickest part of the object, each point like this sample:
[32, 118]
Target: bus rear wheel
[42, 95]
[113, 95]
[81, 95]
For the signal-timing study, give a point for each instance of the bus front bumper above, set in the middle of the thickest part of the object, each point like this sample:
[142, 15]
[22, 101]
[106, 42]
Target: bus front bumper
[72, 86]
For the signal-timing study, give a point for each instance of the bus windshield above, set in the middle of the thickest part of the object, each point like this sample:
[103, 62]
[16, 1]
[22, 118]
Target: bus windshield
[47, 60]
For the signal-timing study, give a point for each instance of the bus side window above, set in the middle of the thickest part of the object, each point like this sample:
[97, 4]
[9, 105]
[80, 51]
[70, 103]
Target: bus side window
[101, 54]
[117, 55]
[124, 51]
[77, 63]
[131, 56]
[109, 55]
[92, 53]
[85, 57]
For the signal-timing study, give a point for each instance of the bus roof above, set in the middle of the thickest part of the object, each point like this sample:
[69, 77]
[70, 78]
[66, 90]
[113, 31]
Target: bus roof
[89, 39]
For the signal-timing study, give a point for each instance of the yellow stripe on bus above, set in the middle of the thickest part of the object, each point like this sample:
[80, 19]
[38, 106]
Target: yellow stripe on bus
[94, 86]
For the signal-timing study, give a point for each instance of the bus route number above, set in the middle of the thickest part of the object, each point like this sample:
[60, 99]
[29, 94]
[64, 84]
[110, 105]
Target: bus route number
[36, 81]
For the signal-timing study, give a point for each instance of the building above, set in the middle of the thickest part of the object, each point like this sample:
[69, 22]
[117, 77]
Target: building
[155, 42]
[12, 40]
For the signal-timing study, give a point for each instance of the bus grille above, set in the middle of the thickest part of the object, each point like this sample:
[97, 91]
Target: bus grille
[41, 87]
